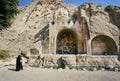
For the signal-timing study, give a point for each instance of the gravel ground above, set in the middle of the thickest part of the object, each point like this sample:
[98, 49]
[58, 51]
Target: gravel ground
[40, 74]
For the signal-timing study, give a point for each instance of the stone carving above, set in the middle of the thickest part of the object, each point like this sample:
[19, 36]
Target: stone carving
[56, 29]
[34, 51]
[66, 43]
[101, 45]
[61, 15]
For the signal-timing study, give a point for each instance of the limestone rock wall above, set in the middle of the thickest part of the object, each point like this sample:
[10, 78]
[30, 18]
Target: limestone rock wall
[42, 23]
[30, 24]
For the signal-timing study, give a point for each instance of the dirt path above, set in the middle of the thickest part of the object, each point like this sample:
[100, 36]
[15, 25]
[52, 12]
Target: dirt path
[38, 74]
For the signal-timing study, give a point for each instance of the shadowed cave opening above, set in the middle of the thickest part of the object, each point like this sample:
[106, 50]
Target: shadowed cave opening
[103, 45]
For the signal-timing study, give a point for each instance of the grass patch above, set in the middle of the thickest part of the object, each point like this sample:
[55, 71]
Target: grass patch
[4, 55]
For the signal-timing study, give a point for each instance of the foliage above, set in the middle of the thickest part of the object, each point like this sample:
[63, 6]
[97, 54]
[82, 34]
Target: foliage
[3, 54]
[8, 9]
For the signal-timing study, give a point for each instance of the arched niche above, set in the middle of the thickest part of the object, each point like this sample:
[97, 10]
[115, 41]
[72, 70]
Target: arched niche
[66, 42]
[103, 45]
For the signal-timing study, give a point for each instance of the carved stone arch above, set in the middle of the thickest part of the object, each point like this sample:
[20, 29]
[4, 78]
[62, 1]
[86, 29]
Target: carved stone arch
[103, 45]
[66, 42]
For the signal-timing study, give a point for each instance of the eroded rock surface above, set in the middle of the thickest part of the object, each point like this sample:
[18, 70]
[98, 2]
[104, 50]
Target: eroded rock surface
[44, 24]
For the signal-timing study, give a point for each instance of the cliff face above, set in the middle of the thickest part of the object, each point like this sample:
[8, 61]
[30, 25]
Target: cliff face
[31, 19]
[114, 14]
[30, 28]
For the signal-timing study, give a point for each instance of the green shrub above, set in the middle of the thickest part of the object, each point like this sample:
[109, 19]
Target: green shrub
[4, 54]
[8, 10]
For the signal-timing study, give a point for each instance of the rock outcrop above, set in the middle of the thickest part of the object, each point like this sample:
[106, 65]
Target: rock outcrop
[114, 13]
[52, 27]
[33, 19]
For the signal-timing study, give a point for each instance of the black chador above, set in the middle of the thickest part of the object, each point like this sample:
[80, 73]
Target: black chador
[19, 65]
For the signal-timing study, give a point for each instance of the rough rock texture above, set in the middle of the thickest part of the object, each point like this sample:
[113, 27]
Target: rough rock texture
[33, 19]
[114, 13]
[52, 27]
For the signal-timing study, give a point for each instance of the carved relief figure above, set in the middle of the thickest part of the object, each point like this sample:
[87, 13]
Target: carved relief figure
[66, 43]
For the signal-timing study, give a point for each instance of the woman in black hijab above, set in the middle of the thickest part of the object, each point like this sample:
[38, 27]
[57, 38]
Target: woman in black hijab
[19, 65]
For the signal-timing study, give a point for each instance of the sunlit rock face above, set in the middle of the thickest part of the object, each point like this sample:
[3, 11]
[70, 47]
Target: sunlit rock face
[54, 28]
